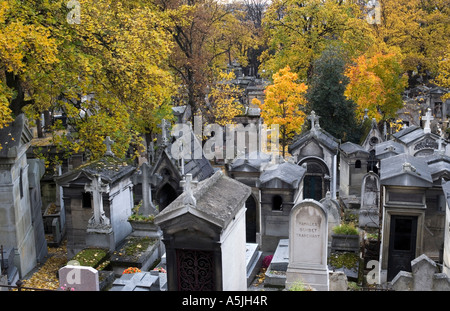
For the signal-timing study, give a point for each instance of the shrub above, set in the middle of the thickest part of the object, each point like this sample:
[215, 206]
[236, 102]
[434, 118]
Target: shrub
[346, 228]
[299, 286]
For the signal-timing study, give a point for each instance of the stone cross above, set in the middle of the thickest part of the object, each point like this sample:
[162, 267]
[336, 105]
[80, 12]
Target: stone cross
[313, 118]
[164, 126]
[187, 183]
[428, 118]
[147, 207]
[97, 188]
[108, 142]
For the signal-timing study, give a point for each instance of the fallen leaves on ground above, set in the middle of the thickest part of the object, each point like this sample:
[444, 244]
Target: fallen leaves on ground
[45, 277]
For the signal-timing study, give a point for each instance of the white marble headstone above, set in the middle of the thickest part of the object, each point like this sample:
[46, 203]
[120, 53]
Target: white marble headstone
[308, 241]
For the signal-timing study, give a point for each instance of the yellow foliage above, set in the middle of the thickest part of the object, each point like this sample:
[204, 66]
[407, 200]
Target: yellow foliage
[284, 104]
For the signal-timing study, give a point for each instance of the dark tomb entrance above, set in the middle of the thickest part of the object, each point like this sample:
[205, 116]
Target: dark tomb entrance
[402, 244]
[166, 196]
[317, 180]
[195, 270]
[250, 220]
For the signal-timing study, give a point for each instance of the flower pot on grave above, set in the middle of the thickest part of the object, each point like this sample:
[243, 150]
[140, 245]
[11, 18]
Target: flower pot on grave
[344, 243]
[144, 228]
[51, 212]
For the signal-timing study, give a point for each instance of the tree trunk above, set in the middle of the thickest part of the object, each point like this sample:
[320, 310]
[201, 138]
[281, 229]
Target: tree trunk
[39, 128]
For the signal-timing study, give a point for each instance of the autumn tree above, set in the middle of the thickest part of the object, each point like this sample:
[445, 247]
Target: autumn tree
[224, 99]
[299, 30]
[107, 72]
[207, 35]
[114, 80]
[443, 77]
[27, 52]
[284, 105]
[420, 29]
[326, 95]
[376, 83]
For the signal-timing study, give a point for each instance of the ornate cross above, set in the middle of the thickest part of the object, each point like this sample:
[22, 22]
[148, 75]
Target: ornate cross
[186, 183]
[428, 118]
[97, 188]
[313, 118]
[108, 142]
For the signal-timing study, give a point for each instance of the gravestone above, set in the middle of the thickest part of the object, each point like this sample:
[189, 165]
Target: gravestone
[141, 281]
[424, 277]
[275, 275]
[99, 230]
[308, 240]
[78, 278]
[369, 216]
[253, 259]
[338, 281]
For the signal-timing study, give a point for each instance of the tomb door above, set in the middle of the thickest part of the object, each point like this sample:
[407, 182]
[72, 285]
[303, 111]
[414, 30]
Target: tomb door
[250, 219]
[313, 187]
[316, 180]
[402, 244]
[195, 270]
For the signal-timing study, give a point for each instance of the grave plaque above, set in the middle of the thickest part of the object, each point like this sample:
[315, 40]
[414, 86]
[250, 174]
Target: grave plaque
[308, 239]
[78, 278]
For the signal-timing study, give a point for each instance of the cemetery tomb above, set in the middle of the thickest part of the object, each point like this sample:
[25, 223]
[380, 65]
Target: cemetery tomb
[17, 227]
[404, 179]
[204, 235]
[98, 201]
[318, 150]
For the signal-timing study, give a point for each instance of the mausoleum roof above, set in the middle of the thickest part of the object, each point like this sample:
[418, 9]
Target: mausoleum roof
[405, 170]
[218, 199]
[109, 168]
[320, 135]
[412, 134]
[251, 162]
[438, 164]
[287, 172]
[388, 148]
[350, 148]
[13, 136]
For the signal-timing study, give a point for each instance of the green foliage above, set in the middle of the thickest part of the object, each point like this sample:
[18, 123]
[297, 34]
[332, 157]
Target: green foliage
[299, 286]
[298, 31]
[325, 95]
[346, 228]
[91, 257]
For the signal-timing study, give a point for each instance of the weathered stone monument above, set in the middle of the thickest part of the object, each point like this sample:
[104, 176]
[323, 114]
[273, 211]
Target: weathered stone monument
[369, 215]
[204, 235]
[17, 227]
[423, 277]
[308, 240]
[98, 201]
